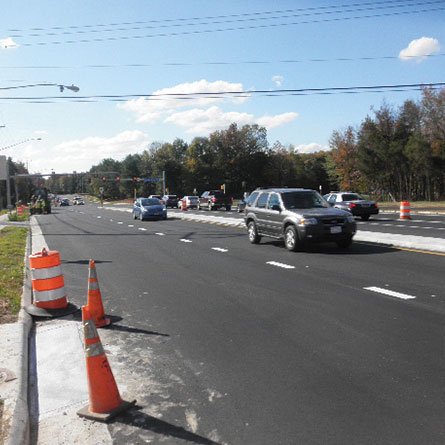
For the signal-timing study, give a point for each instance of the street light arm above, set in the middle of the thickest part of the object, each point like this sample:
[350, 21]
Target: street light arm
[62, 87]
[21, 142]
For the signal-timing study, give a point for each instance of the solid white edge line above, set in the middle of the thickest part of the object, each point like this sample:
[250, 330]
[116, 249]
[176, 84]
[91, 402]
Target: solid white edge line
[391, 293]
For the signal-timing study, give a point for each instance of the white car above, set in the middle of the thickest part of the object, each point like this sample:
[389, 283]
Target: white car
[191, 202]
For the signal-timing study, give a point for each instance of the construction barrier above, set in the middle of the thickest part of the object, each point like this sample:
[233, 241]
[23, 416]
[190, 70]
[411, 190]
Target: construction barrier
[184, 205]
[94, 304]
[105, 400]
[405, 210]
[21, 210]
[48, 286]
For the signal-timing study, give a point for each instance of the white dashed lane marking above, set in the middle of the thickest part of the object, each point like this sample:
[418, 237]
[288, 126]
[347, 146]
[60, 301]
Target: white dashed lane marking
[120, 222]
[284, 266]
[142, 228]
[130, 225]
[160, 234]
[219, 249]
[185, 240]
[391, 293]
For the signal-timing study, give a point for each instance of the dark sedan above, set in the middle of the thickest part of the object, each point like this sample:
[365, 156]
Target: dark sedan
[353, 203]
[149, 208]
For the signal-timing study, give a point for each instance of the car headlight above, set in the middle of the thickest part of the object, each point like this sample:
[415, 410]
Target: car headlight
[308, 221]
[350, 218]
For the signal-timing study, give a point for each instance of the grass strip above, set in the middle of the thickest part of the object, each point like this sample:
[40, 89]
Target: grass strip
[12, 253]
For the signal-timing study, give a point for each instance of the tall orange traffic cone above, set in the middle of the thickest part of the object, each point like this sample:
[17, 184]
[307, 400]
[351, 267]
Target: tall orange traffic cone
[105, 400]
[94, 304]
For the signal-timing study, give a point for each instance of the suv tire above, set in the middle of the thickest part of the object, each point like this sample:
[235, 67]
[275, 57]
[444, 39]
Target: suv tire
[252, 233]
[291, 240]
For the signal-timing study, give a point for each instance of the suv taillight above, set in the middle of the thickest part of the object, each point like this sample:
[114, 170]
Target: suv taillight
[213, 199]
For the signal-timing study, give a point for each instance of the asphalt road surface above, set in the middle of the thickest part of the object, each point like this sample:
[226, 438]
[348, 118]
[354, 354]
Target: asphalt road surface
[221, 341]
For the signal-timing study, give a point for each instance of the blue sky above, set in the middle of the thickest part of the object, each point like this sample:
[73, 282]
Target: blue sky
[201, 47]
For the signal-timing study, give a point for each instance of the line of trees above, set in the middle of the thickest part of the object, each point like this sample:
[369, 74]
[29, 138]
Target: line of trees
[396, 153]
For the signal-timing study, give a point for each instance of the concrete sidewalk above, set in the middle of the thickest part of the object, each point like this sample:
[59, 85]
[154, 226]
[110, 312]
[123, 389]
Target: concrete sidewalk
[38, 366]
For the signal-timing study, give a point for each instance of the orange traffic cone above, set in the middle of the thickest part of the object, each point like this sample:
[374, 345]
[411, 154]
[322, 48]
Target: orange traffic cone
[105, 400]
[94, 304]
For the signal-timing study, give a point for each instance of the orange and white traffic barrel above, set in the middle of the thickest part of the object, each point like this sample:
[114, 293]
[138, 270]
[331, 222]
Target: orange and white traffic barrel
[48, 285]
[405, 210]
[183, 205]
[20, 210]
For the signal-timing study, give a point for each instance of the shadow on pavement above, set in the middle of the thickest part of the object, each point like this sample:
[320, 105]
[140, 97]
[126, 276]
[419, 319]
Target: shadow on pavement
[117, 327]
[138, 419]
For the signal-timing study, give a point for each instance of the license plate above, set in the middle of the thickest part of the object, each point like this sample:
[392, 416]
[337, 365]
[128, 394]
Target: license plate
[336, 229]
[365, 205]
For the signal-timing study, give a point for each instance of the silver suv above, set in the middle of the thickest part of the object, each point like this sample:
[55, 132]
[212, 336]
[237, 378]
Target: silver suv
[298, 216]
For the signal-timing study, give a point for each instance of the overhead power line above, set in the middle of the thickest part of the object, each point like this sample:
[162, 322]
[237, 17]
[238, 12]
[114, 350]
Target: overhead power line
[227, 16]
[356, 7]
[229, 94]
[221, 62]
[240, 28]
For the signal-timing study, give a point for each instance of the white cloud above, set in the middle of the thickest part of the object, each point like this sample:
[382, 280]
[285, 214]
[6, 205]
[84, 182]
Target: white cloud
[169, 99]
[201, 121]
[276, 121]
[419, 49]
[81, 155]
[278, 80]
[8, 43]
[311, 148]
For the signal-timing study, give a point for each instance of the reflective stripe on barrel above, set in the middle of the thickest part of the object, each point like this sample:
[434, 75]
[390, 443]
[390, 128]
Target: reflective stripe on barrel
[405, 210]
[47, 280]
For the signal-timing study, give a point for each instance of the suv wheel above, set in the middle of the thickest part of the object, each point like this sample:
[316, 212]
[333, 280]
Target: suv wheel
[252, 233]
[291, 240]
[365, 217]
[228, 208]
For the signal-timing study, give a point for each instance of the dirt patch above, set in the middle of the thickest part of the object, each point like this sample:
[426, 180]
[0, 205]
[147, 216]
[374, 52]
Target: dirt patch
[6, 314]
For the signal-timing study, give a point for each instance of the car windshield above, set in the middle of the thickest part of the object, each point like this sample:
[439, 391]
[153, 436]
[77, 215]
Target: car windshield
[150, 202]
[352, 197]
[303, 200]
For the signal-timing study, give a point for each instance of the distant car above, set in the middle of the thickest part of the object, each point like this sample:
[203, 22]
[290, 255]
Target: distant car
[149, 208]
[65, 202]
[170, 201]
[353, 203]
[242, 205]
[77, 200]
[191, 202]
[157, 197]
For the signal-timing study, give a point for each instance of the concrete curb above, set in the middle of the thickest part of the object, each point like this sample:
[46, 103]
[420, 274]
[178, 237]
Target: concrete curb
[20, 428]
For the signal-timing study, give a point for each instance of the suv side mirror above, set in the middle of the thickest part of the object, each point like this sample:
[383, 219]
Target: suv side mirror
[276, 207]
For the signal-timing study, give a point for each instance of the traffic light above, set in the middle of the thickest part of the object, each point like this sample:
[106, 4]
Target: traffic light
[223, 187]
[118, 179]
[135, 179]
[104, 179]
